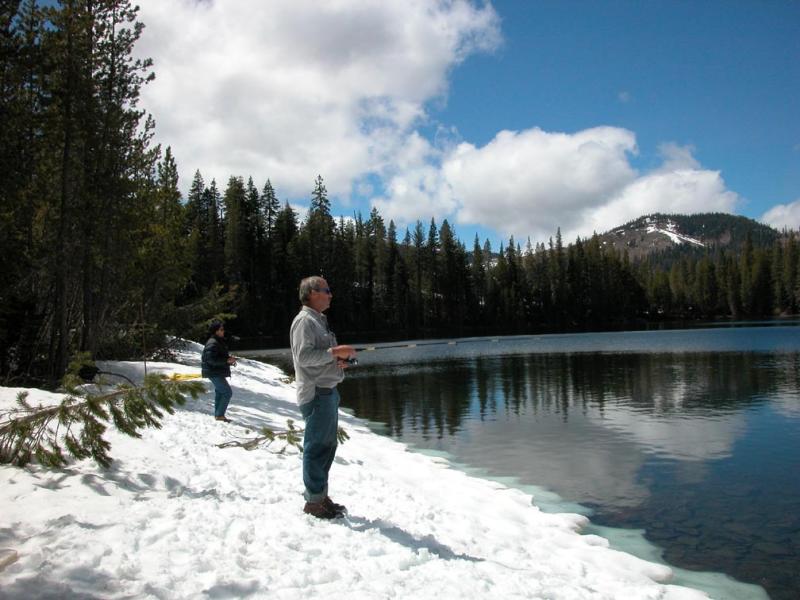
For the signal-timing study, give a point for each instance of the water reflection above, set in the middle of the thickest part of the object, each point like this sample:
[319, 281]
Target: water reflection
[436, 399]
[699, 449]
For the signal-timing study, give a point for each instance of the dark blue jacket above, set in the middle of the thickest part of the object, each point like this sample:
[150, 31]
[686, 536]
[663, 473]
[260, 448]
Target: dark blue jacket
[215, 358]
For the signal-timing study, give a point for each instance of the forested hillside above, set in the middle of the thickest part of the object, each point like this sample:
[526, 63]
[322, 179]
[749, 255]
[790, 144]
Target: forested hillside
[102, 254]
[671, 237]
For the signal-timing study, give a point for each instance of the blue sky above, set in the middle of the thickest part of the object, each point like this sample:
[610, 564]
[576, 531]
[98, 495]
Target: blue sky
[509, 117]
[722, 76]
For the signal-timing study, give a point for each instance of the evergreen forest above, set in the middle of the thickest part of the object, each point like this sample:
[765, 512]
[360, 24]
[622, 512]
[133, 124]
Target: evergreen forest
[102, 253]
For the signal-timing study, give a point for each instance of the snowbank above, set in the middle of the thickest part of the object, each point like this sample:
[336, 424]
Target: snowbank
[177, 517]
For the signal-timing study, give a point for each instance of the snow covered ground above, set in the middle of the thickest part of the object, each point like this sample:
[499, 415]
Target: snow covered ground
[177, 517]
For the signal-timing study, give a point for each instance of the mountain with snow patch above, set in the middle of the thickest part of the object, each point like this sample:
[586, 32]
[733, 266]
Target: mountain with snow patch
[678, 234]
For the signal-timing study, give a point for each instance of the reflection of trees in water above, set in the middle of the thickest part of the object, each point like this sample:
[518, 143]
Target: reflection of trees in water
[431, 401]
[434, 399]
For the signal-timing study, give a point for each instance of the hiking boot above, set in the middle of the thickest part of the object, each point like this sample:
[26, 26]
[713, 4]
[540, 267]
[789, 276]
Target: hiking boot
[339, 508]
[223, 418]
[320, 510]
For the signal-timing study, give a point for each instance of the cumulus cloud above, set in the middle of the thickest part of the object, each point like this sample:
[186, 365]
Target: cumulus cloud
[532, 182]
[783, 215]
[680, 185]
[288, 90]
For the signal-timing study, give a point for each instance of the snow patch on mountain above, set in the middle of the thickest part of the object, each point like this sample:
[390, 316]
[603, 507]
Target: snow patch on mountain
[672, 233]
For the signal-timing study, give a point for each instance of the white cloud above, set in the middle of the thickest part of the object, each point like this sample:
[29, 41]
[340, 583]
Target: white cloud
[288, 90]
[677, 158]
[624, 96]
[783, 215]
[679, 190]
[532, 182]
[300, 211]
[418, 193]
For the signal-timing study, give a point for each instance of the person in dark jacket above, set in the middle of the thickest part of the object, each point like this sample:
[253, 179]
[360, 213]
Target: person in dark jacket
[216, 366]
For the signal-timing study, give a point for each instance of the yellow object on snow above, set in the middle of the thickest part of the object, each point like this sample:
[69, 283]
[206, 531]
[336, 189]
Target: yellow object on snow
[183, 376]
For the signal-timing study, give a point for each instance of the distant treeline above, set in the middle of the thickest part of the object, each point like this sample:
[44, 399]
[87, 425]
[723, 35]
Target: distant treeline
[424, 281]
[100, 253]
[753, 281]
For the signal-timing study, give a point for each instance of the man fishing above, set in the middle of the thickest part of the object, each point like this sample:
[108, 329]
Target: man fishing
[319, 364]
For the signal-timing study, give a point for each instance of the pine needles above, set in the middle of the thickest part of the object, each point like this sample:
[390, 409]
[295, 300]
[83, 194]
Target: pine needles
[291, 437]
[76, 426]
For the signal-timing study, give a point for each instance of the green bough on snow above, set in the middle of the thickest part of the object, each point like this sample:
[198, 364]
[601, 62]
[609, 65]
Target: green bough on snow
[290, 437]
[75, 427]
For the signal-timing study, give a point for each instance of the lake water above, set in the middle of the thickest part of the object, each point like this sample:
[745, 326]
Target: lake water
[680, 445]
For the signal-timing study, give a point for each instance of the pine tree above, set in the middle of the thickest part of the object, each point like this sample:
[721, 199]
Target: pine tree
[396, 276]
[452, 273]
[363, 265]
[491, 294]
[235, 229]
[255, 235]
[662, 294]
[196, 228]
[215, 223]
[388, 275]
[161, 268]
[403, 278]
[556, 275]
[791, 255]
[776, 277]
[432, 308]
[287, 271]
[746, 288]
[86, 161]
[271, 207]
[319, 197]
[317, 233]
[376, 231]
[762, 291]
[705, 287]
[418, 265]
[797, 283]
[734, 287]
[342, 274]
[23, 95]
[478, 276]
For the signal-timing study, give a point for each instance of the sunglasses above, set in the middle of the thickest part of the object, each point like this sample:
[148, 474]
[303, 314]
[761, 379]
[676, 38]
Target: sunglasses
[323, 290]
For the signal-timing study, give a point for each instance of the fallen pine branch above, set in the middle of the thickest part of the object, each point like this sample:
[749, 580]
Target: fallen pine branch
[291, 437]
[76, 426]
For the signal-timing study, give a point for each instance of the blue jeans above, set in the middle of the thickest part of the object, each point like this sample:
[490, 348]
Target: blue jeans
[222, 395]
[319, 442]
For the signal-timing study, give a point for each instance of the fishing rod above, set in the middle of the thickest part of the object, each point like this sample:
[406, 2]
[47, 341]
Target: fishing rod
[354, 361]
[417, 344]
[451, 342]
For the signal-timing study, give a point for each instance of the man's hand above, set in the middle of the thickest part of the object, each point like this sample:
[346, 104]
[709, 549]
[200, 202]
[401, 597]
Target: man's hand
[343, 353]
